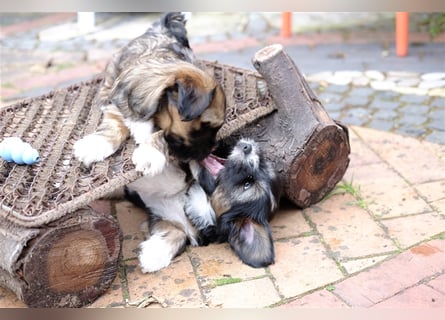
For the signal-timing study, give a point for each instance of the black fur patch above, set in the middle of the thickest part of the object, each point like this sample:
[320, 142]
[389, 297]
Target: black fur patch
[175, 23]
[202, 142]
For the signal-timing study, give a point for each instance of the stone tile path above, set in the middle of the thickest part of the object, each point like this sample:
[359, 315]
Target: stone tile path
[378, 241]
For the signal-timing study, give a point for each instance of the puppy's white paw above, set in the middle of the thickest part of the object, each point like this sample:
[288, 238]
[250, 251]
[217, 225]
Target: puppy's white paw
[92, 148]
[148, 160]
[155, 254]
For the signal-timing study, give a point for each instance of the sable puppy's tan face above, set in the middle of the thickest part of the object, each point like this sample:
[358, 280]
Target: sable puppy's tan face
[193, 112]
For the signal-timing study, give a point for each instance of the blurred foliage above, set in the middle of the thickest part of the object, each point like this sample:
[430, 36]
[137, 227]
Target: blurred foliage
[434, 22]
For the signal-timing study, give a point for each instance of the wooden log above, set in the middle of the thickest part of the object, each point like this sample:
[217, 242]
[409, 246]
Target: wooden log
[69, 264]
[309, 150]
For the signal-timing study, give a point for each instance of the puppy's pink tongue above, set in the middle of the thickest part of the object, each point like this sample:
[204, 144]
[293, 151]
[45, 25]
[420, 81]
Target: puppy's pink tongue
[213, 164]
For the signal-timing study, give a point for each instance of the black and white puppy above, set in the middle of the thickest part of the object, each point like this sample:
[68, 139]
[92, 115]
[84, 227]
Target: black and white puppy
[211, 200]
[244, 195]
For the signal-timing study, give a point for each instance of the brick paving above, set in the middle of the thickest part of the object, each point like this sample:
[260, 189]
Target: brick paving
[380, 247]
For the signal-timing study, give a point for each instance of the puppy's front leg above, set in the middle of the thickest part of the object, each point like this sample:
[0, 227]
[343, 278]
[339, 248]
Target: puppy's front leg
[150, 155]
[105, 140]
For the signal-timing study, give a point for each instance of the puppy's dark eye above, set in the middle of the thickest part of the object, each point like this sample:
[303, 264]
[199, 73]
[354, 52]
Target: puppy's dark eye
[248, 182]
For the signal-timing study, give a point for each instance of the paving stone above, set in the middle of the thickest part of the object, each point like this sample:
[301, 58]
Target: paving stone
[413, 120]
[131, 221]
[218, 261]
[438, 102]
[414, 109]
[416, 297]
[347, 229]
[359, 113]
[414, 99]
[432, 191]
[437, 92]
[174, 286]
[437, 119]
[433, 76]
[393, 276]
[353, 121]
[438, 283]
[113, 297]
[439, 206]
[432, 84]
[384, 125]
[411, 91]
[318, 299]
[398, 151]
[360, 81]
[385, 192]
[382, 85]
[361, 154]
[436, 137]
[301, 257]
[384, 114]
[339, 80]
[408, 82]
[361, 92]
[353, 266]
[386, 95]
[410, 230]
[375, 75]
[356, 101]
[407, 129]
[289, 222]
[384, 105]
[257, 293]
[337, 88]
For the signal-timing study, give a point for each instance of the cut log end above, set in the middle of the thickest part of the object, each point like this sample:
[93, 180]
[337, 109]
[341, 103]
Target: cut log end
[267, 53]
[73, 263]
[320, 167]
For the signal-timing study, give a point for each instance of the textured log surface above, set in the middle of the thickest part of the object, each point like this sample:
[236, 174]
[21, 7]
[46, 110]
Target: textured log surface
[70, 263]
[309, 149]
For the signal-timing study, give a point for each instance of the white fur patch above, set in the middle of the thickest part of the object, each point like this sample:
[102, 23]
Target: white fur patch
[148, 160]
[155, 254]
[92, 148]
[198, 208]
[141, 131]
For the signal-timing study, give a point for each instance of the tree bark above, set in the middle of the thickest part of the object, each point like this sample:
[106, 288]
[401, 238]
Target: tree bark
[70, 263]
[309, 150]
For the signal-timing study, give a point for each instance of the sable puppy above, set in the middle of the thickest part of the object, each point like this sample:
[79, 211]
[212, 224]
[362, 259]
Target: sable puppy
[150, 85]
[245, 196]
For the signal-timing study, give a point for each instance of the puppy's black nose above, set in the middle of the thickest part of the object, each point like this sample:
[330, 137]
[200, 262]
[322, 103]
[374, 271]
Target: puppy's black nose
[246, 147]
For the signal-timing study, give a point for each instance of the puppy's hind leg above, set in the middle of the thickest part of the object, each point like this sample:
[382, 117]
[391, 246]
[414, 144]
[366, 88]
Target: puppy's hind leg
[107, 138]
[166, 242]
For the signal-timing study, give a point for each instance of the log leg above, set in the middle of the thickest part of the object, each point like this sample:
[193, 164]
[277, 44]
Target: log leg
[71, 262]
[309, 150]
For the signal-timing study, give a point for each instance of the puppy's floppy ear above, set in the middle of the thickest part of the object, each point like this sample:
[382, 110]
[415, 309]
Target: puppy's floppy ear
[251, 240]
[190, 100]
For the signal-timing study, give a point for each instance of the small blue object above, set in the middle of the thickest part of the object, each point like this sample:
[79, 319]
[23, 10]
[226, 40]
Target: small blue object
[13, 149]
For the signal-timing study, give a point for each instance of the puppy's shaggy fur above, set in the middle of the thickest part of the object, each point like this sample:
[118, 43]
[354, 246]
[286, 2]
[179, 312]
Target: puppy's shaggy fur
[246, 195]
[150, 85]
[204, 202]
